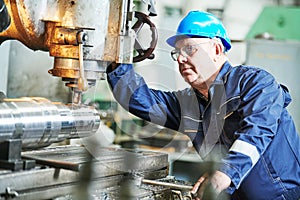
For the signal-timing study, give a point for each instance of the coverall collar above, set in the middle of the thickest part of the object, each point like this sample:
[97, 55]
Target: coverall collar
[221, 78]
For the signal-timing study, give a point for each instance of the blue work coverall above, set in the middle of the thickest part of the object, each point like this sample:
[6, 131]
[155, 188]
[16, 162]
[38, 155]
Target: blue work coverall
[245, 116]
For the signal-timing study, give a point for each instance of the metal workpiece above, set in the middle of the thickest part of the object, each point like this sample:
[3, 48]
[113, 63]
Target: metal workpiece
[39, 122]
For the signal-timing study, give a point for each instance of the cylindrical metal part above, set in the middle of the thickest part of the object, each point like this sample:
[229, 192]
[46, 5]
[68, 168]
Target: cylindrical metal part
[40, 122]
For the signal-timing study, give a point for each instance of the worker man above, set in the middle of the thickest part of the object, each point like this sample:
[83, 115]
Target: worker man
[235, 114]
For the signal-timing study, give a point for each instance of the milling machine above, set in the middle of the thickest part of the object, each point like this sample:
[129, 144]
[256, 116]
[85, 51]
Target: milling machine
[83, 37]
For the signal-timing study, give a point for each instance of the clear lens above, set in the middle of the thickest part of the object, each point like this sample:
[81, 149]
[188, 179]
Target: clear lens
[186, 51]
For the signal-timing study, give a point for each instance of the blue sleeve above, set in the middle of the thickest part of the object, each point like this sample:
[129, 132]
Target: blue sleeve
[133, 94]
[262, 102]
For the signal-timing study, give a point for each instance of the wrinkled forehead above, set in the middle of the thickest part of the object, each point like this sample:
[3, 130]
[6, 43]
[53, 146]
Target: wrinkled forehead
[184, 40]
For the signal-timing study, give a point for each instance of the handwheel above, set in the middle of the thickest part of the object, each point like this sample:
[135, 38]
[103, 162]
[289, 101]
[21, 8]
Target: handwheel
[144, 53]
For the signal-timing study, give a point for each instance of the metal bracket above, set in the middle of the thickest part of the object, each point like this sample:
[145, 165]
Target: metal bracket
[10, 156]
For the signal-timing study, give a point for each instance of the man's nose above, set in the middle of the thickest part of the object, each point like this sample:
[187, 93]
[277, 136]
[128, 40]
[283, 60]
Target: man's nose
[181, 59]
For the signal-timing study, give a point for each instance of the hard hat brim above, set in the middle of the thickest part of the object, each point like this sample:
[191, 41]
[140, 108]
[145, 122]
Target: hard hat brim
[173, 39]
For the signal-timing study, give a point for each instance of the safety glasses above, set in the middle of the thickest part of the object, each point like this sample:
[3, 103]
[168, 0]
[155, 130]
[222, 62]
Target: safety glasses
[186, 51]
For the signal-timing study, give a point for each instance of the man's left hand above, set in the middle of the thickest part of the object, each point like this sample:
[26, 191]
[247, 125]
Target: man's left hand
[216, 183]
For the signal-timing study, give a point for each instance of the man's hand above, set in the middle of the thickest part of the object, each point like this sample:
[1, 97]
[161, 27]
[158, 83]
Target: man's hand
[114, 65]
[213, 185]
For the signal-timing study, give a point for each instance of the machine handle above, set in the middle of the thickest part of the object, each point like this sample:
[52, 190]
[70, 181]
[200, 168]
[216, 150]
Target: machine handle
[144, 53]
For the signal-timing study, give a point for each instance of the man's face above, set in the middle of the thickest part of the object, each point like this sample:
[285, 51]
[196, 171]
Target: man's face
[195, 59]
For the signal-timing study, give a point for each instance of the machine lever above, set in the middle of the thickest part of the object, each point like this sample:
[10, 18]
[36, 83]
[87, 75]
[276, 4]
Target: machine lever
[166, 184]
[82, 82]
[177, 189]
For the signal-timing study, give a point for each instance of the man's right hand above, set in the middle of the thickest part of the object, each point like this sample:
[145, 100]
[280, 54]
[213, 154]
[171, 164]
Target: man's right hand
[114, 65]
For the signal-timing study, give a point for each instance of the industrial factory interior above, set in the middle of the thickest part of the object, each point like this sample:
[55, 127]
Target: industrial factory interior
[64, 134]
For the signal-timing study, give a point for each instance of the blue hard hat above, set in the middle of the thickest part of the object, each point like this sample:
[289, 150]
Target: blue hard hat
[200, 24]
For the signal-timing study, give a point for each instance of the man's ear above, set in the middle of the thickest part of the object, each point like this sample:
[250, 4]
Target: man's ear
[219, 49]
